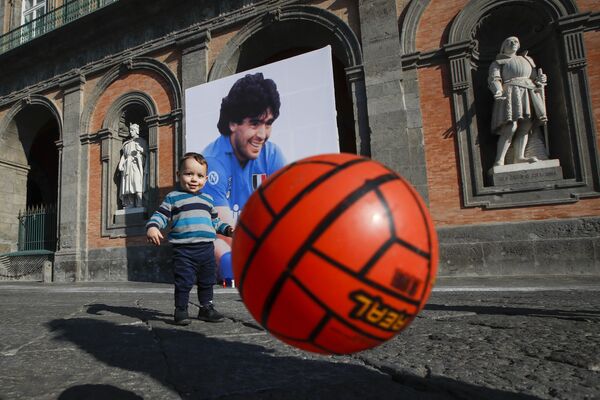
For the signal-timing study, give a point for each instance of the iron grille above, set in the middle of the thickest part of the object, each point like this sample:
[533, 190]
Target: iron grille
[37, 228]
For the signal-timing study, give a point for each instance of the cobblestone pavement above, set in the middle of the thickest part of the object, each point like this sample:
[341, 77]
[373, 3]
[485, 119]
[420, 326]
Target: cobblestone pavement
[481, 339]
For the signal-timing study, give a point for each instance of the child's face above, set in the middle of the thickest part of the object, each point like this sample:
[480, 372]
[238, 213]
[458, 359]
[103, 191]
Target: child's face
[192, 176]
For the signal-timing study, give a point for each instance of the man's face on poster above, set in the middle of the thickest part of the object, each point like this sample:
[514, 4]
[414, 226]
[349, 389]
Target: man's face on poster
[249, 136]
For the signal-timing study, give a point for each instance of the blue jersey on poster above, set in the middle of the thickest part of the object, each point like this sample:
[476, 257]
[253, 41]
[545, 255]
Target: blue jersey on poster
[229, 183]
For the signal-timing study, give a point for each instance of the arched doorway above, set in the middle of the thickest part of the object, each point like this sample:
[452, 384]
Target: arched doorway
[29, 188]
[296, 30]
[38, 133]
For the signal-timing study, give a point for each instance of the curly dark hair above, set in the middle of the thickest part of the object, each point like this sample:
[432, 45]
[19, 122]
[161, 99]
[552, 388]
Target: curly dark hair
[249, 97]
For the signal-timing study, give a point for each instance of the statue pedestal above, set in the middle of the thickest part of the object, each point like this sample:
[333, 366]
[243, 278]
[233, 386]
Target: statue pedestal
[514, 174]
[132, 215]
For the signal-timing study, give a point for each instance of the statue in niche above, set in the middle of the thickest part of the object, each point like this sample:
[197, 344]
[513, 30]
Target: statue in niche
[132, 167]
[519, 102]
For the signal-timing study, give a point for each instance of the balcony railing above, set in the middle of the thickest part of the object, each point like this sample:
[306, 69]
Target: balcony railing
[54, 19]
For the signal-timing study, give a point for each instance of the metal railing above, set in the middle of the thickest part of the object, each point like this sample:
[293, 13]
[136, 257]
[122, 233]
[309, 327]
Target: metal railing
[37, 228]
[68, 12]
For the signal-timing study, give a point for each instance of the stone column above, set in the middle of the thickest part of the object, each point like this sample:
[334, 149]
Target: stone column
[194, 69]
[356, 82]
[72, 211]
[391, 141]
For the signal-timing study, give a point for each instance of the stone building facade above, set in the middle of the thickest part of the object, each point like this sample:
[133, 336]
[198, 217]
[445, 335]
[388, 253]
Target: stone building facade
[410, 93]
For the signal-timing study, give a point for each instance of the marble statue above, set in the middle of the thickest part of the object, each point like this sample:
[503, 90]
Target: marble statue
[132, 167]
[519, 101]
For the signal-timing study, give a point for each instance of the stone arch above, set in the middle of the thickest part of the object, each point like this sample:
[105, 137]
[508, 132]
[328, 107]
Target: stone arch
[112, 116]
[569, 135]
[346, 46]
[34, 99]
[138, 63]
[320, 28]
[29, 161]
[410, 25]
[469, 18]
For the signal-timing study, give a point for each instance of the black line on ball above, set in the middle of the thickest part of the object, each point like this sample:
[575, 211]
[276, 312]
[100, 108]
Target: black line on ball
[289, 206]
[360, 276]
[331, 216]
[261, 195]
[390, 216]
[413, 248]
[240, 224]
[261, 189]
[376, 256]
[388, 211]
[322, 323]
[325, 349]
[425, 220]
[294, 164]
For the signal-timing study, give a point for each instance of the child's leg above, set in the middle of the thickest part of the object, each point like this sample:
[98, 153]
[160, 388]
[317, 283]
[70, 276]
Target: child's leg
[206, 277]
[184, 275]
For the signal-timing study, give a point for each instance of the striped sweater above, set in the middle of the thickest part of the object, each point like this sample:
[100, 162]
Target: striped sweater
[193, 215]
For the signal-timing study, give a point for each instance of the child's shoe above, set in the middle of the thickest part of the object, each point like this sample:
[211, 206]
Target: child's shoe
[209, 314]
[181, 317]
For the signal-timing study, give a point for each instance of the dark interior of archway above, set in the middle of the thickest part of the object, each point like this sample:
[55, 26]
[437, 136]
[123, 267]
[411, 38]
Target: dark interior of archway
[285, 40]
[134, 114]
[42, 180]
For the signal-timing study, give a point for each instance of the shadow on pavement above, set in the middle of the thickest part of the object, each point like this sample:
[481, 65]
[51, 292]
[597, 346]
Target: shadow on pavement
[198, 366]
[144, 314]
[573, 315]
[97, 392]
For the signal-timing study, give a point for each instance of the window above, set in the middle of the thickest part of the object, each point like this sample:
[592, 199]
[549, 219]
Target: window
[31, 10]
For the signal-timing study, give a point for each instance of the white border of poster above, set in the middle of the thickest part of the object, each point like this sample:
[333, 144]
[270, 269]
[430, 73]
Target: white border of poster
[307, 121]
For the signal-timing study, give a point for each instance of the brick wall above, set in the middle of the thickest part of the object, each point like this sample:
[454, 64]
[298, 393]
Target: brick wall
[443, 172]
[439, 136]
[592, 47]
[432, 32]
[588, 5]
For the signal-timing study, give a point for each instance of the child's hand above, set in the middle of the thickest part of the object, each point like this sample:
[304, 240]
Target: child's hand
[154, 236]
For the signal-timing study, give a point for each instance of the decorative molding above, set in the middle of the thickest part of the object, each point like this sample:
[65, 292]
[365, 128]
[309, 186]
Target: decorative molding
[165, 119]
[12, 165]
[347, 39]
[194, 41]
[410, 26]
[575, 47]
[459, 54]
[115, 73]
[133, 97]
[273, 15]
[72, 82]
[355, 73]
[423, 59]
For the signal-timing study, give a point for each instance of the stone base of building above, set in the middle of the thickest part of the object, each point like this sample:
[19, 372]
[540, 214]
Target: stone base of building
[557, 247]
[552, 247]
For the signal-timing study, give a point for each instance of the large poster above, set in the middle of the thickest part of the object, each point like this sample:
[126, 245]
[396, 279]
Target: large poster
[251, 124]
[307, 121]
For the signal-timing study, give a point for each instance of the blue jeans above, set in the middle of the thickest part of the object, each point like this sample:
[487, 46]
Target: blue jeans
[194, 263]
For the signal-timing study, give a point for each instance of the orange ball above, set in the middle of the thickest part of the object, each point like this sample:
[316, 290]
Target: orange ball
[335, 254]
